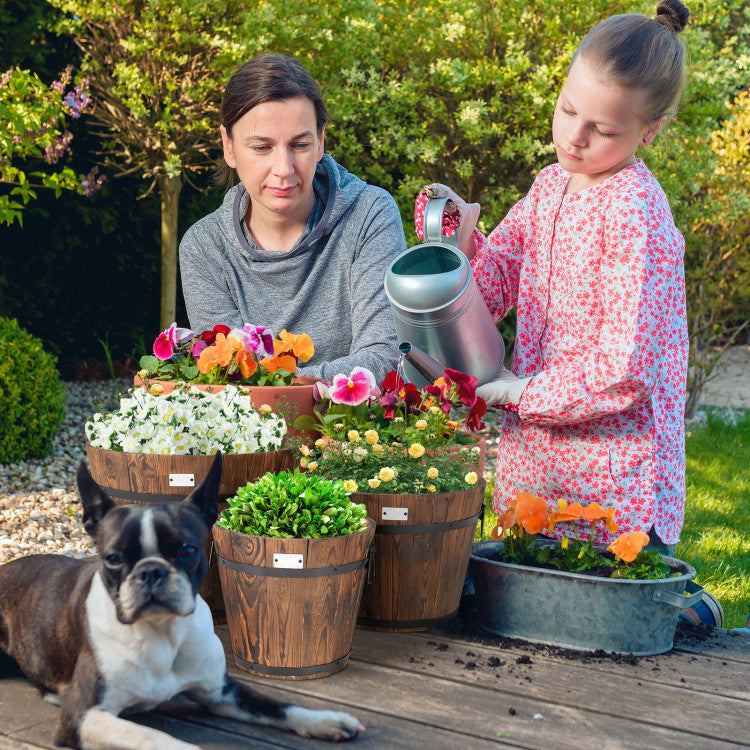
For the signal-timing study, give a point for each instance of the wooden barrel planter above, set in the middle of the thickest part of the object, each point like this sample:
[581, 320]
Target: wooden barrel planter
[130, 478]
[420, 557]
[291, 401]
[292, 603]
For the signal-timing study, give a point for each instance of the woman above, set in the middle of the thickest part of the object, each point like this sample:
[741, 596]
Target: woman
[300, 244]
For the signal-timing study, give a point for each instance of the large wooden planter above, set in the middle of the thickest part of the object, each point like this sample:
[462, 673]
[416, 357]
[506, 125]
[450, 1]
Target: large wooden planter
[292, 603]
[420, 557]
[291, 401]
[130, 478]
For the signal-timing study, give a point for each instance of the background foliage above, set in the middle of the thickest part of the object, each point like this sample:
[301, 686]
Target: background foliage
[461, 94]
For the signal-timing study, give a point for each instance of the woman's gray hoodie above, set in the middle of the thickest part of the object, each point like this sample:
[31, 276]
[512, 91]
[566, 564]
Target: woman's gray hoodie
[329, 285]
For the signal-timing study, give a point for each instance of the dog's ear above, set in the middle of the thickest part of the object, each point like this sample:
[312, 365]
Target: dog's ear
[95, 501]
[205, 495]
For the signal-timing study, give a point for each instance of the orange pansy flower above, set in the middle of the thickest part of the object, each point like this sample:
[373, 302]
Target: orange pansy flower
[594, 512]
[248, 364]
[280, 362]
[219, 353]
[531, 512]
[300, 344]
[627, 546]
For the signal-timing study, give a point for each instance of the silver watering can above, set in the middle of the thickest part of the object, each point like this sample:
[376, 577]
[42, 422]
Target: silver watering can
[437, 306]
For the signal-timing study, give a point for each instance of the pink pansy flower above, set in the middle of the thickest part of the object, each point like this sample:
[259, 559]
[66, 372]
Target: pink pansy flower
[258, 339]
[167, 340]
[197, 347]
[353, 389]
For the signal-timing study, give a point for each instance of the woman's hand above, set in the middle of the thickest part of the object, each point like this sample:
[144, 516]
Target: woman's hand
[457, 214]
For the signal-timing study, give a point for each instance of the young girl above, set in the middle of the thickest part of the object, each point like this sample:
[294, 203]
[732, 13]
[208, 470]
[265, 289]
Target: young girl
[593, 261]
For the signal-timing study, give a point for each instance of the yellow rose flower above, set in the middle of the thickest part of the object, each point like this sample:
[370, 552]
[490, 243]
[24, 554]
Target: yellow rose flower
[352, 436]
[416, 450]
[386, 474]
[304, 450]
[374, 483]
[312, 465]
[372, 437]
[471, 478]
[432, 472]
[378, 448]
[431, 488]
[303, 462]
[420, 424]
[350, 485]
[320, 443]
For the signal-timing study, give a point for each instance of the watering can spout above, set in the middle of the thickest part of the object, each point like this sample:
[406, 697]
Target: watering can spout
[424, 364]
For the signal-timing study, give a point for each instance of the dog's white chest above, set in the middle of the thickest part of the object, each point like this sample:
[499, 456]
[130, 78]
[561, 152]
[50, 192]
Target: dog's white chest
[147, 663]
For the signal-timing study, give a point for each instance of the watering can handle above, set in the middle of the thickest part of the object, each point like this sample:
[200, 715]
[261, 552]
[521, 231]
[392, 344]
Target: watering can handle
[433, 223]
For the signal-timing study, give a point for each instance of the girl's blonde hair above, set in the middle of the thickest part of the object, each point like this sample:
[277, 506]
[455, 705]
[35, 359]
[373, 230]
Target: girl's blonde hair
[633, 51]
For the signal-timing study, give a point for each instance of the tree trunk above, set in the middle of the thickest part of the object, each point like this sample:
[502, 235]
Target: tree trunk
[169, 192]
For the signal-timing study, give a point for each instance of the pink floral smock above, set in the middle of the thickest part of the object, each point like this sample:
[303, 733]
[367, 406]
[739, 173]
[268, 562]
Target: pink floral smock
[598, 279]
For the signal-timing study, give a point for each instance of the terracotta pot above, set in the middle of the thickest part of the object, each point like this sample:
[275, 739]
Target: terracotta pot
[292, 619]
[130, 478]
[291, 401]
[420, 557]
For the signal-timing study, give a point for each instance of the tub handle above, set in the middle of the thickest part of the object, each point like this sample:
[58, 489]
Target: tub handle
[674, 599]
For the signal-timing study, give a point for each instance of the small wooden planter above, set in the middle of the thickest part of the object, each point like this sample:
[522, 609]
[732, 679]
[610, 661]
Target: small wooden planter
[420, 557]
[293, 623]
[130, 478]
[291, 401]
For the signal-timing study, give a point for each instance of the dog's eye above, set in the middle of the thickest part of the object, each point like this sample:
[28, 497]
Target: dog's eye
[187, 551]
[113, 560]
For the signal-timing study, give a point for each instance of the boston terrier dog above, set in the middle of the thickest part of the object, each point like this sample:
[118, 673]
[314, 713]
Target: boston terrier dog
[128, 631]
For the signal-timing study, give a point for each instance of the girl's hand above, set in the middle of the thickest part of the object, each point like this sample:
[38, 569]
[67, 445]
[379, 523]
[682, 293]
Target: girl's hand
[506, 390]
[457, 214]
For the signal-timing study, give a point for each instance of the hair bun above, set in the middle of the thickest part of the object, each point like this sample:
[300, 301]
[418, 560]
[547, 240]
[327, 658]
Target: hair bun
[672, 14]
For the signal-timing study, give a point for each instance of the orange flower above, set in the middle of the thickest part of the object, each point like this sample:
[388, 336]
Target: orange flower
[594, 512]
[248, 364]
[280, 362]
[219, 353]
[627, 546]
[609, 519]
[505, 522]
[299, 344]
[531, 512]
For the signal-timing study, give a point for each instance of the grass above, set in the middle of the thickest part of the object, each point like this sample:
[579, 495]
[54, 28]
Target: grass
[715, 539]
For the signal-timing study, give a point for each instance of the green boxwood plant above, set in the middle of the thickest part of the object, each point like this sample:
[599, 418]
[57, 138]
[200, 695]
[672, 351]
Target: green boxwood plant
[293, 505]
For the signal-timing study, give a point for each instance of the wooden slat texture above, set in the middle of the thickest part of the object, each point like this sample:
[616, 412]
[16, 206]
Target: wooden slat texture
[455, 688]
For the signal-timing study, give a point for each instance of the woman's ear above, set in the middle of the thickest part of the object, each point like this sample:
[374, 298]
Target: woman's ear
[321, 144]
[226, 143]
[652, 130]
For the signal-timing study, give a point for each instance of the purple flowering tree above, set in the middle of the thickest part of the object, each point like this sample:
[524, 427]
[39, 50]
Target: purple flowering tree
[34, 139]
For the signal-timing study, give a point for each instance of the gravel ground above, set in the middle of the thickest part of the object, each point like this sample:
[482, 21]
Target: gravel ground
[39, 504]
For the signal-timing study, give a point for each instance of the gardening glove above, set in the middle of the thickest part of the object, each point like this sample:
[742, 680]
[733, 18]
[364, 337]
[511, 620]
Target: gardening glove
[458, 215]
[506, 390]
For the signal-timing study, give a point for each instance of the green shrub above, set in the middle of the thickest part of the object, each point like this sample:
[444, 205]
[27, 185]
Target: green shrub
[31, 394]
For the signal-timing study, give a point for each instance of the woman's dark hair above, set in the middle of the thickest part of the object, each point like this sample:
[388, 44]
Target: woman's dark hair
[637, 52]
[266, 78]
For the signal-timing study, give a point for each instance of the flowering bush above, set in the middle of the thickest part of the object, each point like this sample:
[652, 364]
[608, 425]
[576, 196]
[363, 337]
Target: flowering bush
[247, 356]
[187, 422]
[528, 516]
[395, 438]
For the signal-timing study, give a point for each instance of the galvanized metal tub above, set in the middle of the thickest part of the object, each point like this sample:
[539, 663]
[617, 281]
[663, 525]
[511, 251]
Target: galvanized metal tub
[578, 611]
[437, 306]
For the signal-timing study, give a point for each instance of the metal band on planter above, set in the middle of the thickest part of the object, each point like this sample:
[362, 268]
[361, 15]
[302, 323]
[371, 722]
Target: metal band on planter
[256, 570]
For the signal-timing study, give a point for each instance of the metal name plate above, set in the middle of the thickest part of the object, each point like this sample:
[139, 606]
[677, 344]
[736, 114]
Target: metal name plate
[182, 480]
[395, 514]
[281, 560]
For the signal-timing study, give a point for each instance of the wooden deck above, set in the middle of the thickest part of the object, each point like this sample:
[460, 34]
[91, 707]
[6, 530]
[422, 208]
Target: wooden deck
[455, 688]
